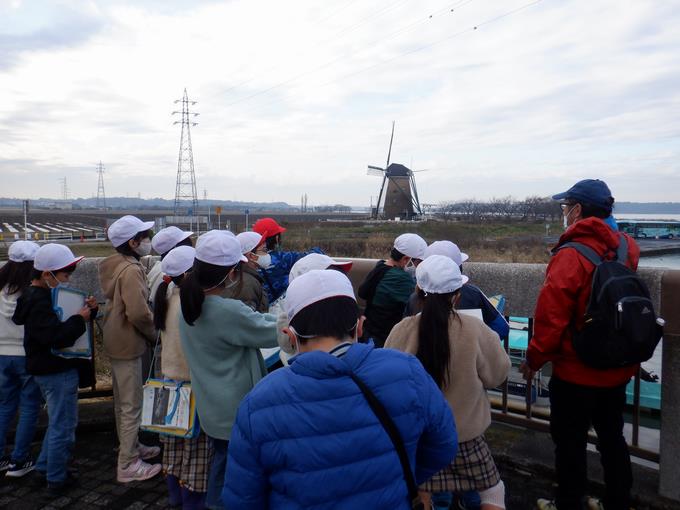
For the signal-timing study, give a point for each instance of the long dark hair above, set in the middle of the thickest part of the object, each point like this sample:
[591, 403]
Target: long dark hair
[16, 276]
[191, 290]
[434, 349]
[160, 301]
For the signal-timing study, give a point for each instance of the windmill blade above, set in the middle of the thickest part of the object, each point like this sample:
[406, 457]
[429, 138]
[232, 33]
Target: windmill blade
[414, 197]
[422, 170]
[389, 152]
[382, 188]
[375, 171]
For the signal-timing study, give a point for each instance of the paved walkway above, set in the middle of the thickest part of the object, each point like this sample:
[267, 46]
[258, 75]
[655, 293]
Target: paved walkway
[95, 459]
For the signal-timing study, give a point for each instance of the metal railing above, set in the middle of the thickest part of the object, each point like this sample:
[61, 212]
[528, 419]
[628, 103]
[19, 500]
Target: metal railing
[503, 412]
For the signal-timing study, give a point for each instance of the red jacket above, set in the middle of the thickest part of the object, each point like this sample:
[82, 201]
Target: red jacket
[563, 300]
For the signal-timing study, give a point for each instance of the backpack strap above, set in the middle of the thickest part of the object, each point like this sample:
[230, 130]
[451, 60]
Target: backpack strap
[584, 250]
[622, 250]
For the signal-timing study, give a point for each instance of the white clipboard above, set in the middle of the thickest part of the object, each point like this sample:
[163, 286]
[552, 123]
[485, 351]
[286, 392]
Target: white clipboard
[67, 302]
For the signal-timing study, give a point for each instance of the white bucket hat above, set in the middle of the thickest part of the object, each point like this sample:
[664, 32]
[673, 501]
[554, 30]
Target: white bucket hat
[448, 249]
[178, 261]
[167, 238]
[22, 251]
[316, 286]
[411, 245]
[249, 241]
[438, 274]
[316, 261]
[219, 247]
[53, 257]
[125, 228]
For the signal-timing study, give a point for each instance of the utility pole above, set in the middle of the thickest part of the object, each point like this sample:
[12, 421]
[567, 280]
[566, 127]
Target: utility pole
[64, 189]
[185, 188]
[101, 195]
[25, 204]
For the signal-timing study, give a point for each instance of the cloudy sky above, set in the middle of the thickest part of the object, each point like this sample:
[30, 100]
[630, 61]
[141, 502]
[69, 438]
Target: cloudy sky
[492, 97]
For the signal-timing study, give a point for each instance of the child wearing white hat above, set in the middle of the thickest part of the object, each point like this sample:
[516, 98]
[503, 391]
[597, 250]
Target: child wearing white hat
[250, 288]
[307, 437]
[388, 286]
[56, 376]
[162, 242]
[221, 340]
[18, 387]
[186, 461]
[128, 330]
[479, 363]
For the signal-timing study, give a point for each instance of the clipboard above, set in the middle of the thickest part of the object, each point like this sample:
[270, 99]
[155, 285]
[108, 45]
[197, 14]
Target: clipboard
[169, 408]
[67, 302]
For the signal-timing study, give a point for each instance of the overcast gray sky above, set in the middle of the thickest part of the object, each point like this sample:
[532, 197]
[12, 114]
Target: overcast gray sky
[492, 97]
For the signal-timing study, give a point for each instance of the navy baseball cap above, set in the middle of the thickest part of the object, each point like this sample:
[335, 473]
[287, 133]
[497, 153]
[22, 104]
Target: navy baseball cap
[590, 191]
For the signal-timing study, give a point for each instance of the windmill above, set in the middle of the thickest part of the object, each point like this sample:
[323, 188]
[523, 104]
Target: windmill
[401, 198]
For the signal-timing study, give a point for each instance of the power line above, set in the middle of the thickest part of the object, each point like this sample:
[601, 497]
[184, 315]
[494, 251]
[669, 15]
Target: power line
[350, 54]
[391, 59]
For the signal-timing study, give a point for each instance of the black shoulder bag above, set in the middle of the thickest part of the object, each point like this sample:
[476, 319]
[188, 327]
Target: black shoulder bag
[393, 432]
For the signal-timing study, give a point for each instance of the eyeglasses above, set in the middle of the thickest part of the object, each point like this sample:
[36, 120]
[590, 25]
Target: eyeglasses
[566, 205]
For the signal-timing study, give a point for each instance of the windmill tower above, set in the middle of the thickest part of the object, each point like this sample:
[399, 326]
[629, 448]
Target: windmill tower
[101, 196]
[401, 197]
[185, 189]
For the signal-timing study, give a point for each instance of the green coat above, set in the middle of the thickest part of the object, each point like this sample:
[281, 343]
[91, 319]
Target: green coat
[222, 349]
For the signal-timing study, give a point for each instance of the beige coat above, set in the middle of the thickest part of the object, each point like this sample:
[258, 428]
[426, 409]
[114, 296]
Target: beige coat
[478, 362]
[173, 363]
[128, 321]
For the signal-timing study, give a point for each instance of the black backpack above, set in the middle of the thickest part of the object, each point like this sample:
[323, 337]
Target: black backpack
[620, 327]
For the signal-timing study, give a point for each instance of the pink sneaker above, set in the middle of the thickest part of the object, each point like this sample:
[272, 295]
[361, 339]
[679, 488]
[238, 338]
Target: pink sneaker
[137, 471]
[148, 452]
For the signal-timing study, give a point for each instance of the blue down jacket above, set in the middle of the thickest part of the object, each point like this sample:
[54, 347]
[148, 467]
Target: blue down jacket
[305, 436]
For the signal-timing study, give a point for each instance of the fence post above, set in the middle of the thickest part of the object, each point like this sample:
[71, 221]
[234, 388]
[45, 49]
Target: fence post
[669, 447]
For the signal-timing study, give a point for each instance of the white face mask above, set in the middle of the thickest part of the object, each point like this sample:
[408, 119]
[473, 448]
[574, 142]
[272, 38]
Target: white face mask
[144, 248]
[411, 268]
[565, 218]
[59, 282]
[264, 261]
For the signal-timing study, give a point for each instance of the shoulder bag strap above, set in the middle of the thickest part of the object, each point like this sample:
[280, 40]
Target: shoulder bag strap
[622, 250]
[584, 250]
[393, 432]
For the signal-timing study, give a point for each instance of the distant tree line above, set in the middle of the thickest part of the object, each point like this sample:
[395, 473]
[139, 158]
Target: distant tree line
[532, 208]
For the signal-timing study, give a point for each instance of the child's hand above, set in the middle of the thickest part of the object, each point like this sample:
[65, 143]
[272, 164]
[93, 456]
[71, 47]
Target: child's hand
[91, 302]
[85, 313]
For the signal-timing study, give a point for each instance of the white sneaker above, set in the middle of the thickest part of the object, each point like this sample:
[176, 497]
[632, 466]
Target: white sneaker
[148, 452]
[137, 471]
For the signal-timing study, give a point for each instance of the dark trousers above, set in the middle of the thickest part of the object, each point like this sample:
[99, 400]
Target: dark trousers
[573, 409]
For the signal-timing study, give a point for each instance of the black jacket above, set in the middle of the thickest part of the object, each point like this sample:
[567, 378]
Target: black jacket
[43, 331]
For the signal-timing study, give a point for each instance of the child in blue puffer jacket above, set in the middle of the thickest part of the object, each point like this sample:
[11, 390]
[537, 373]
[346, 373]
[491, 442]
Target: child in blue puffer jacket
[305, 436]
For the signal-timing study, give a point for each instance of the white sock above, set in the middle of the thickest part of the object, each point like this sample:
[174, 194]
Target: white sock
[494, 495]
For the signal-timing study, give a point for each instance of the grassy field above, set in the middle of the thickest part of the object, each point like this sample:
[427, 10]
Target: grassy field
[484, 242]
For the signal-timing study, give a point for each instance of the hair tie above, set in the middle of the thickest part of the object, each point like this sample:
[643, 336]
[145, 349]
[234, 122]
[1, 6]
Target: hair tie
[167, 279]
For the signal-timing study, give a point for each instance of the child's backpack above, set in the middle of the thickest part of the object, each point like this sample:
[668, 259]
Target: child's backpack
[620, 327]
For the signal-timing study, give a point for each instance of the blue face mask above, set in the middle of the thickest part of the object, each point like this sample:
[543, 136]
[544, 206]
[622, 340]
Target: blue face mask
[59, 283]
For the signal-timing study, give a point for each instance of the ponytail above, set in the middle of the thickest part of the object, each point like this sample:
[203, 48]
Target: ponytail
[434, 349]
[204, 276]
[16, 276]
[160, 301]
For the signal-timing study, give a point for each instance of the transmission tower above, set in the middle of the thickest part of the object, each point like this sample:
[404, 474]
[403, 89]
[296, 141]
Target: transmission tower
[185, 189]
[101, 196]
[64, 189]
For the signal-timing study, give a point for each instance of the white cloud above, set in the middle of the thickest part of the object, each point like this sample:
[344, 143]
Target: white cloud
[525, 104]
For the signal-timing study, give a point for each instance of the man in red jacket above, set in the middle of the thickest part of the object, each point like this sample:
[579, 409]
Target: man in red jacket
[581, 396]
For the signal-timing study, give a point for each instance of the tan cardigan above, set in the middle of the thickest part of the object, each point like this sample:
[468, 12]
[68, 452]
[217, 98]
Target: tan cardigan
[173, 363]
[128, 321]
[478, 362]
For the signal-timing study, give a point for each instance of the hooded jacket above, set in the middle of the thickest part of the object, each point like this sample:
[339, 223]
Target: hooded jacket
[128, 321]
[249, 289]
[43, 331]
[11, 335]
[562, 302]
[305, 436]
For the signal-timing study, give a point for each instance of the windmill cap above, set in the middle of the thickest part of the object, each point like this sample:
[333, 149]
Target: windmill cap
[448, 249]
[267, 227]
[411, 245]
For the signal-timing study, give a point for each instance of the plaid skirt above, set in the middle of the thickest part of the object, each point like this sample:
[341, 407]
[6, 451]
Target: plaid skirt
[188, 459]
[472, 469]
